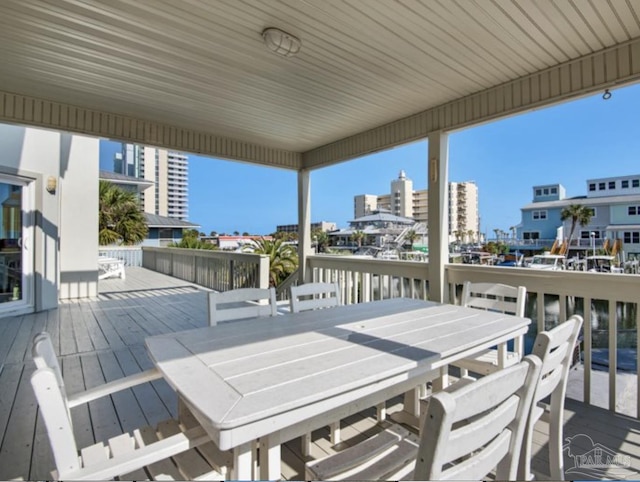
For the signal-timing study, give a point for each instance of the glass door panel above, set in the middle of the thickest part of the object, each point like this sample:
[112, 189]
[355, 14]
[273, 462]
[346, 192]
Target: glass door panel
[11, 249]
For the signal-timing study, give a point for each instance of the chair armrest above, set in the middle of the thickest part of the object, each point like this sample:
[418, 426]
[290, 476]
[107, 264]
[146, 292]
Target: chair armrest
[113, 387]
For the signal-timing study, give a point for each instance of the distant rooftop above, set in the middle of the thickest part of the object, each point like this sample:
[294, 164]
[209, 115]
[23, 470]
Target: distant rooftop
[384, 217]
[156, 221]
[591, 201]
[116, 178]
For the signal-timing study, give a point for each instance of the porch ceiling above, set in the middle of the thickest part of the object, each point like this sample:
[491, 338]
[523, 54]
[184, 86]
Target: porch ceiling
[195, 74]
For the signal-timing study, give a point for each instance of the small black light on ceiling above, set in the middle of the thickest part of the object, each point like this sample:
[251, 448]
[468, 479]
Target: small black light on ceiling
[606, 95]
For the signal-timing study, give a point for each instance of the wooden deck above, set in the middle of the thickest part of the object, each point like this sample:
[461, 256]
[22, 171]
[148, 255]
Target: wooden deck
[103, 339]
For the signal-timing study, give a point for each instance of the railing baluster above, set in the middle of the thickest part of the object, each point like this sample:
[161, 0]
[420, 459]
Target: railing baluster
[613, 350]
[562, 299]
[540, 311]
[587, 350]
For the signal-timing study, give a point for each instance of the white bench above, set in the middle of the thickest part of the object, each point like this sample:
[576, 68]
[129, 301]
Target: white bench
[110, 267]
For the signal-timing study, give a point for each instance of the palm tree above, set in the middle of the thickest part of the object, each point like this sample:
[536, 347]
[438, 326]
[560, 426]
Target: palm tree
[358, 236]
[470, 233]
[120, 220]
[283, 259]
[497, 233]
[321, 239]
[191, 242]
[513, 231]
[579, 214]
[412, 236]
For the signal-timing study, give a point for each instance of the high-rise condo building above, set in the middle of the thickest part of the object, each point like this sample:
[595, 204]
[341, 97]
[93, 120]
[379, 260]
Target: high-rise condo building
[167, 170]
[464, 219]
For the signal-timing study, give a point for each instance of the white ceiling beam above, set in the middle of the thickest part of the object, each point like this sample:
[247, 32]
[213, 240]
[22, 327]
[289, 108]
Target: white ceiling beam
[24, 110]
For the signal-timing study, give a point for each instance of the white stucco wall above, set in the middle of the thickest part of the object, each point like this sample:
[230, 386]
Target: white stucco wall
[65, 233]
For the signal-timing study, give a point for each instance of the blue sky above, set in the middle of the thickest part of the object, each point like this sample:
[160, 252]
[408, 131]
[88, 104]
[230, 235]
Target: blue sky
[567, 144]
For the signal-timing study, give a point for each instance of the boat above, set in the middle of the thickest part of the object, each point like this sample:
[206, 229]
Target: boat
[388, 254]
[550, 262]
[478, 257]
[602, 264]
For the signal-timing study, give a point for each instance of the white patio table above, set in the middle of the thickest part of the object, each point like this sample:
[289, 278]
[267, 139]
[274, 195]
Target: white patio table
[277, 378]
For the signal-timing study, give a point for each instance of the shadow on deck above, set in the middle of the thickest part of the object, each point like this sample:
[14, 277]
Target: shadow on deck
[102, 339]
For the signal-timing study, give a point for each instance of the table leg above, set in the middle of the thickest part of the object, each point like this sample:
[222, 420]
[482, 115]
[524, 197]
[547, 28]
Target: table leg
[269, 459]
[242, 463]
[410, 413]
[442, 381]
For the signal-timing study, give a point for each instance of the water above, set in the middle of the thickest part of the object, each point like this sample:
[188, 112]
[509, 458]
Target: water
[626, 328]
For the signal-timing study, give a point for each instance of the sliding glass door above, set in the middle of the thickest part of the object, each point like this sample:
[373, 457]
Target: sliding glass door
[16, 245]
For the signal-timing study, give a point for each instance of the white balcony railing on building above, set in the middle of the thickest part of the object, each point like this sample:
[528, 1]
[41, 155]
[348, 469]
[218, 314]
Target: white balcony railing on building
[217, 270]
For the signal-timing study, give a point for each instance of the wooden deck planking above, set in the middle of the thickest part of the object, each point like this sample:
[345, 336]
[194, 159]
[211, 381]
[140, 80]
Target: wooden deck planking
[74, 382]
[9, 335]
[16, 452]
[107, 342]
[151, 405]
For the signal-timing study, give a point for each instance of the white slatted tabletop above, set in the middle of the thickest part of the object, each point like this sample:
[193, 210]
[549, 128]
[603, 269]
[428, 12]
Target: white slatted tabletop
[278, 378]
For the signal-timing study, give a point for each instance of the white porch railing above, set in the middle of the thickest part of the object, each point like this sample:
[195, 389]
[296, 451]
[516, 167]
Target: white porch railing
[217, 270]
[605, 300]
[131, 255]
[365, 279]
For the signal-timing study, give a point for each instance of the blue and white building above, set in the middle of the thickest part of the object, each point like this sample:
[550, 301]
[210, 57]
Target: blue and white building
[615, 202]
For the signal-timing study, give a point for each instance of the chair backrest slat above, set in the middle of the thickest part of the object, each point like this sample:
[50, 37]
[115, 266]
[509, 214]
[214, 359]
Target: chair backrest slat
[486, 419]
[312, 296]
[53, 406]
[44, 355]
[241, 303]
[555, 349]
[494, 297]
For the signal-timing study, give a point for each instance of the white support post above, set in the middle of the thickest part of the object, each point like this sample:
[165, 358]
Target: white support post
[263, 277]
[304, 224]
[438, 214]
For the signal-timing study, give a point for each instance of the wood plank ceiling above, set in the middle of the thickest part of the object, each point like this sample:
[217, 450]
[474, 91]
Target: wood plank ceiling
[201, 65]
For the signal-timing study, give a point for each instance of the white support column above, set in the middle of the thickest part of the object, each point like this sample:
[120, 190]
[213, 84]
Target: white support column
[438, 214]
[304, 223]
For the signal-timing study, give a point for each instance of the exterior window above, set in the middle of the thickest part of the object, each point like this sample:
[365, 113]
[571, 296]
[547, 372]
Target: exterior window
[531, 235]
[554, 190]
[165, 233]
[635, 183]
[602, 186]
[612, 184]
[593, 212]
[546, 191]
[592, 186]
[538, 192]
[624, 184]
[539, 215]
[632, 237]
[634, 210]
[587, 234]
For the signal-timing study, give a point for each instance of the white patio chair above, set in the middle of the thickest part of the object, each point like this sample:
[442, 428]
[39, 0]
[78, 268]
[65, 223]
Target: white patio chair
[468, 431]
[555, 348]
[110, 268]
[500, 298]
[241, 303]
[312, 296]
[124, 456]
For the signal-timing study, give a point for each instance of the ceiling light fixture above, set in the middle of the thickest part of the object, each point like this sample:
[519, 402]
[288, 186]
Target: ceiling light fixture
[280, 42]
[606, 95]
